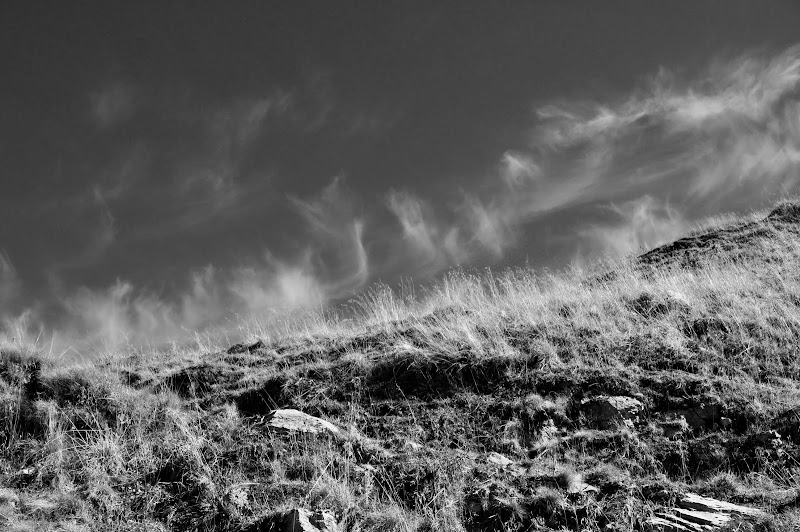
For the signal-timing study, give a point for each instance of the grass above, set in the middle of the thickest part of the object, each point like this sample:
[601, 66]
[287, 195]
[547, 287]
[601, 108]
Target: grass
[428, 388]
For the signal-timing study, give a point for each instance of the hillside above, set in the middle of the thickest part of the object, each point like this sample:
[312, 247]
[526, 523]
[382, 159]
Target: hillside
[493, 402]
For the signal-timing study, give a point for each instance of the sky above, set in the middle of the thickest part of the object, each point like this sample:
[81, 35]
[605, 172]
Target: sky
[169, 166]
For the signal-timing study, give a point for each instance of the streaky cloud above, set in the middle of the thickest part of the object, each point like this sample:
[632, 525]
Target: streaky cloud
[727, 138]
[10, 283]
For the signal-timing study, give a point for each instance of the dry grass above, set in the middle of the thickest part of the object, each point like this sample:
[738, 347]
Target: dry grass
[427, 387]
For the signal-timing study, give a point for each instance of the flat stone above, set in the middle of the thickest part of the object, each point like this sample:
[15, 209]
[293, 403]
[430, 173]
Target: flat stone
[296, 520]
[712, 519]
[694, 501]
[663, 524]
[696, 513]
[292, 420]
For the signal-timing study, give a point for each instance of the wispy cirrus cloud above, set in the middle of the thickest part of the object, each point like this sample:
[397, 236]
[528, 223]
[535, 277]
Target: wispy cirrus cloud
[113, 104]
[9, 282]
[633, 227]
[671, 152]
[607, 177]
[337, 233]
[331, 264]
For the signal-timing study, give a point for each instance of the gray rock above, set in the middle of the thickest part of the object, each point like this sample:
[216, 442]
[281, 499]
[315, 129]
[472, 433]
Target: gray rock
[705, 416]
[769, 438]
[302, 520]
[297, 520]
[292, 420]
[701, 514]
[499, 460]
[674, 428]
[607, 412]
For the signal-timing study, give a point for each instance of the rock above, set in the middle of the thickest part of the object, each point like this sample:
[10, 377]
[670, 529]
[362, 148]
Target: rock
[703, 518]
[674, 428]
[296, 520]
[607, 412]
[412, 446]
[667, 525]
[704, 416]
[769, 438]
[499, 460]
[244, 348]
[301, 520]
[694, 501]
[696, 513]
[579, 486]
[725, 422]
[292, 420]
[25, 476]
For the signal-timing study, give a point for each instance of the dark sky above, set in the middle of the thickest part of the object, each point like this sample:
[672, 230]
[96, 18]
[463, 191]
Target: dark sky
[166, 165]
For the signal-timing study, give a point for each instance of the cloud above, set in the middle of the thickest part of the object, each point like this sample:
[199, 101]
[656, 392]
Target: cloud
[10, 283]
[123, 315]
[636, 226]
[420, 231]
[732, 132]
[606, 177]
[518, 169]
[337, 236]
[727, 138]
[115, 316]
[488, 226]
[98, 232]
[277, 286]
[332, 264]
[113, 104]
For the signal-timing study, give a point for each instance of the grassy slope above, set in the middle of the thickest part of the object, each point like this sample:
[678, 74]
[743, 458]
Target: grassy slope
[426, 389]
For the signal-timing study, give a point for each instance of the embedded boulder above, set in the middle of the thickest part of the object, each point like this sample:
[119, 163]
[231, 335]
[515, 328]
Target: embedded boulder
[674, 428]
[606, 412]
[704, 416]
[296, 520]
[291, 420]
[245, 348]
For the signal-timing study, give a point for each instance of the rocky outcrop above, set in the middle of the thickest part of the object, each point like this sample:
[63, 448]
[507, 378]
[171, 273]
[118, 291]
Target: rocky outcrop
[704, 416]
[245, 348]
[607, 412]
[674, 428]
